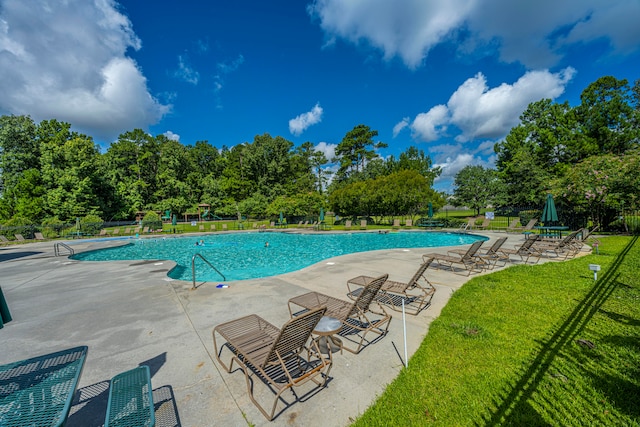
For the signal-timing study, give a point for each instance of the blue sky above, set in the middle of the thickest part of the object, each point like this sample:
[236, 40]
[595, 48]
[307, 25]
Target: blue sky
[450, 77]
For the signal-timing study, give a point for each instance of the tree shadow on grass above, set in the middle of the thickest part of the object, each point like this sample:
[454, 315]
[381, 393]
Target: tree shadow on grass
[515, 405]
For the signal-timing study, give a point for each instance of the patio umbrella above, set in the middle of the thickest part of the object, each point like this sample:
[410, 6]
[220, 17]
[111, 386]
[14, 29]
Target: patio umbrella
[549, 213]
[281, 218]
[174, 220]
[321, 214]
[430, 213]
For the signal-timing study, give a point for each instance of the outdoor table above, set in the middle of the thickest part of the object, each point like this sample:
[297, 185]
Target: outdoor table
[324, 226]
[555, 230]
[326, 328]
[5, 315]
[39, 391]
[321, 226]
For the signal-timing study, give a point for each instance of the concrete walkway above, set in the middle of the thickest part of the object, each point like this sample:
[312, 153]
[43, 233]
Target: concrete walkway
[130, 313]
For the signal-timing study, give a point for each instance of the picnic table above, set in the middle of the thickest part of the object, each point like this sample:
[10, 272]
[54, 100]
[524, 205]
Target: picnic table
[429, 223]
[39, 391]
[322, 226]
[551, 230]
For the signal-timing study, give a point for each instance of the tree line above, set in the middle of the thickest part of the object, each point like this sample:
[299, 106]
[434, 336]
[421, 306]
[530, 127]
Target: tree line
[49, 174]
[586, 156]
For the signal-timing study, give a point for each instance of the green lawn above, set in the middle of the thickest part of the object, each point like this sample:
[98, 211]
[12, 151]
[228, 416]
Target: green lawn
[515, 348]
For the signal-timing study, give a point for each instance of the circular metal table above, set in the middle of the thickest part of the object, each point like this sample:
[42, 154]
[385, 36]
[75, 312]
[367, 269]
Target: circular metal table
[325, 330]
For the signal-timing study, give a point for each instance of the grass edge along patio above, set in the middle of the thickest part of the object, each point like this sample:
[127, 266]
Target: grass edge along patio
[529, 345]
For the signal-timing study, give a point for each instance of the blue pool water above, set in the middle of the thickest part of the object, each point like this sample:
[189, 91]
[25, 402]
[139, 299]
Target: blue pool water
[242, 256]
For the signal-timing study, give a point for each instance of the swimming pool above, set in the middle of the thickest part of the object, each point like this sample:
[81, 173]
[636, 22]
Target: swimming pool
[241, 256]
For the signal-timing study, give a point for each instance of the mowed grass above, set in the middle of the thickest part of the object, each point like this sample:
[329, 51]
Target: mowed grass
[529, 346]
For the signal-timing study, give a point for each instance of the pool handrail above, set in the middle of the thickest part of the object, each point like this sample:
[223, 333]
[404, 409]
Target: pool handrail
[193, 268]
[56, 249]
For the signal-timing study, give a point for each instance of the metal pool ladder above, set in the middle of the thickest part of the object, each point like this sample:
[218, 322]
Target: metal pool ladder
[193, 268]
[56, 249]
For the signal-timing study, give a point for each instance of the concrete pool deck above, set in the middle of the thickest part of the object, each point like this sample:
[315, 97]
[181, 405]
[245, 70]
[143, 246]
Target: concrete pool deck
[130, 313]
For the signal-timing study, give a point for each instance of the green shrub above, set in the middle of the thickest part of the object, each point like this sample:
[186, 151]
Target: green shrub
[526, 216]
[452, 222]
[152, 220]
[18, 225]
[52, 227]
[91, 224]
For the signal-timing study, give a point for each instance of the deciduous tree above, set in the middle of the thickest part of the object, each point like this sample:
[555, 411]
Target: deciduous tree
[478, 187]
[19, 152]
[607, 115]
[601, 185]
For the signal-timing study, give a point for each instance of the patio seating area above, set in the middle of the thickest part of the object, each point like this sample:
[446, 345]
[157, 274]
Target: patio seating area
[459, 260]
[412, 296]
[274, 355]
[357, 318]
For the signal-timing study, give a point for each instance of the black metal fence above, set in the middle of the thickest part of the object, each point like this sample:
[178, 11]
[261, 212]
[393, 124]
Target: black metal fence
[624, 221]
[628, 222]
[52, 231]
[566, 216]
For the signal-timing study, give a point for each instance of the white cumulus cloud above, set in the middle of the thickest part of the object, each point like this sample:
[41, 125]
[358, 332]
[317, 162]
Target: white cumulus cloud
[452, 165]
[452, 158]
[329, 150]
[619, 21]
[304, 120]
[483, 112]
[404, 28]
[480, 112]
[68, 61]
[172, 136]
[430, 126]
[535, 34]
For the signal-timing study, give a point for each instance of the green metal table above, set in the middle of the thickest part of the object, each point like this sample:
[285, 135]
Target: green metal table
[38, 391]
[552, 230]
